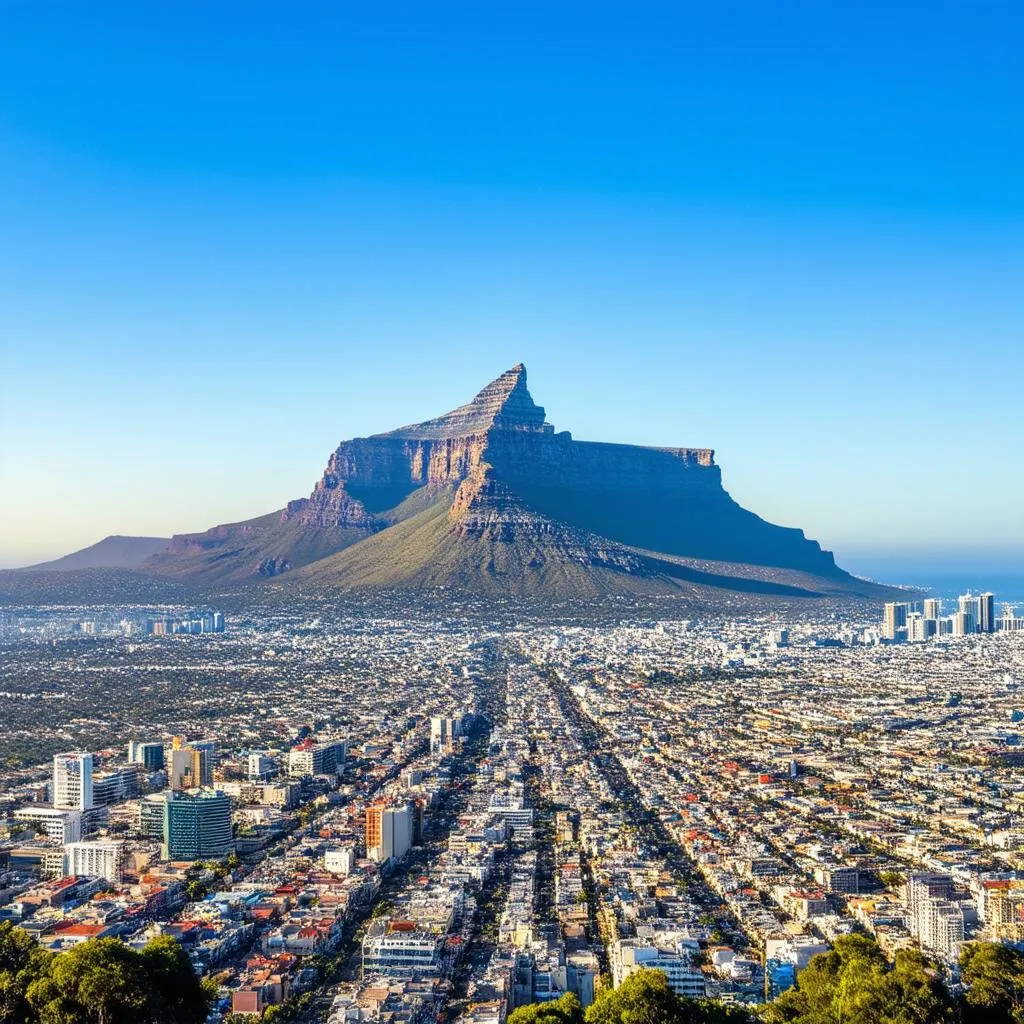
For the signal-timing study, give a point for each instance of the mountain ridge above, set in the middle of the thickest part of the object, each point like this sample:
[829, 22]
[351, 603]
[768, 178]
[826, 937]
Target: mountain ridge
[490, 498]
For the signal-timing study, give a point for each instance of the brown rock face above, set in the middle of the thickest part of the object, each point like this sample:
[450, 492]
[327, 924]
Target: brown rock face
[513, 474]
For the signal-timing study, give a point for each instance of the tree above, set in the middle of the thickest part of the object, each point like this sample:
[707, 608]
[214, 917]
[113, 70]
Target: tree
[175, 994]
[21, 960]
[854, 984]
[101, 981]
[994, 976]
[566, 1010]
[643, 998]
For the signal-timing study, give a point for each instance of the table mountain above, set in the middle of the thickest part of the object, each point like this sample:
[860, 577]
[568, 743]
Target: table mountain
[491, 498]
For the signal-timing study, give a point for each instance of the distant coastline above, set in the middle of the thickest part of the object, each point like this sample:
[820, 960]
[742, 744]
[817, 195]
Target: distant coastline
[1008, 586]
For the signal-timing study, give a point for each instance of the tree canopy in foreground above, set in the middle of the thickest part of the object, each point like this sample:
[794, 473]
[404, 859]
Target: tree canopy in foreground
[100, 981]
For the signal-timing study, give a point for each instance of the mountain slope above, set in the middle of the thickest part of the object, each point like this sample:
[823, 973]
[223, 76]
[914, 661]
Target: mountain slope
[532, 557]
[114, 552]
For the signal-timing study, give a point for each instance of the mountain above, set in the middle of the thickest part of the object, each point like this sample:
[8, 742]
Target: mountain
[490, 498]
[113, 552]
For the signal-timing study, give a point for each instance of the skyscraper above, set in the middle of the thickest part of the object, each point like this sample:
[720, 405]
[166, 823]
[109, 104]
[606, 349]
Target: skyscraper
[198, 826]
[389, 831]
[72, 781]
[894, 619]
[151, 755]
[916, 628]
[191, 766]
[968, 607]
[932, 608]
[986, 613]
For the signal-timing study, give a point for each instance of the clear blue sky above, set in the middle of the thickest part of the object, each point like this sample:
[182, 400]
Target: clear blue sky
[233, 234]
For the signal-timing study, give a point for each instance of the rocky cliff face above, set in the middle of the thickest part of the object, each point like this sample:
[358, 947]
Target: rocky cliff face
[512, 473]
[505, 477]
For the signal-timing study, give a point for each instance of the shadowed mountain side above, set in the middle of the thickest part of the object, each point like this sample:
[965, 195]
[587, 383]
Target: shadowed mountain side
[759, 578]
[708, 526]
[115, 552]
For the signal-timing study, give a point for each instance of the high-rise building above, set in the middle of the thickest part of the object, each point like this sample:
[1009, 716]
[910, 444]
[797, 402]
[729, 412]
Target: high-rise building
[389, 831]
[149, 755]
[115, 787]
[963, 623]
[916, 628]
[443, 732]
[968, 608]
[72, 781]
[986, 613]
[894, 619]
[99, 859]
[932, 608]
[152, 811]
[313, 758]
[261, 767]
[191, 765]
[197, 826]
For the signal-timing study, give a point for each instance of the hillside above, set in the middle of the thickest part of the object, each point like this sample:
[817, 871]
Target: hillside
[113, 552]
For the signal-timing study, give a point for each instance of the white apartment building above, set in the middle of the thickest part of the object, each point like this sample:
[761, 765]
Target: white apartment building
[340, 861]
[102, 859]
[72, 781]
[401, 950]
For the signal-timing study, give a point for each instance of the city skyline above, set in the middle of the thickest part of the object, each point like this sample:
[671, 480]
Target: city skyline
[791, 241]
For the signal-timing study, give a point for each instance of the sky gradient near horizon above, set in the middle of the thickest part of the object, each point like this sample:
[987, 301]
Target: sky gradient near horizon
[232, 235]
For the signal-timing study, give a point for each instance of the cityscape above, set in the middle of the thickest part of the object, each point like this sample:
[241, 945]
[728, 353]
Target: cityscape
[387, 816]
[509, 513]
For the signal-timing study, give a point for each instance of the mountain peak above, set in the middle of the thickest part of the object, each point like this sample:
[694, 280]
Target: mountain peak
[505, 403]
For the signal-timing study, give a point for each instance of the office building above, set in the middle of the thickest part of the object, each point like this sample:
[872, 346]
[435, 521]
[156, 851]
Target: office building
[317, 758]
[100, 859]
[149, 755]
[261, 768]
[197, 826]
[72, 781]
[152, 811]
[62, 826]
[191, 765]
[115, 787]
